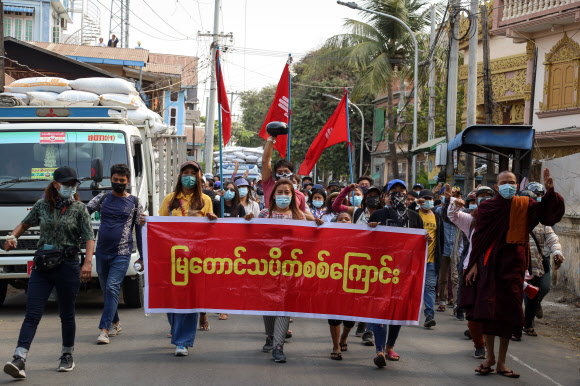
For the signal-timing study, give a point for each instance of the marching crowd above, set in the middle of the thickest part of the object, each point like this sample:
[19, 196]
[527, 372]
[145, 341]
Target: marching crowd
[485, 248]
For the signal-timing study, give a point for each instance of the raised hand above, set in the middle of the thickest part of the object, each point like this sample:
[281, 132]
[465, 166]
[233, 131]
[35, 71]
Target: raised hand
[459, 203]
[448, 192]
[548, 180]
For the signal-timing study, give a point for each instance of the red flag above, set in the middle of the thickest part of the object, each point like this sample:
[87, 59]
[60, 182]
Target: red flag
[334, 131]
[279, 111]
[223, 102]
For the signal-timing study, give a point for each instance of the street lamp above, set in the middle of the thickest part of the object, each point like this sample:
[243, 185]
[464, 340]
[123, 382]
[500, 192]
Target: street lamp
[362, 132]
[354, 5]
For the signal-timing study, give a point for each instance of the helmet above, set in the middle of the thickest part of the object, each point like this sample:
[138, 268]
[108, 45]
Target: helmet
[528, 193]
[470, 197]
[484, 189]
[536, 187]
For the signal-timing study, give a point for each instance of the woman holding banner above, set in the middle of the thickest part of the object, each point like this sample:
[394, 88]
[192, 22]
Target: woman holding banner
[186, 200]
[283, 205]
[232, 206]
[316, 202]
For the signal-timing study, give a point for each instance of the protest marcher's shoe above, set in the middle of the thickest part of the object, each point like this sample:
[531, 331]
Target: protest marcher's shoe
[380, 360]
[278, 354]
[115, 330]
[429, 322]
[181, 351]
[66, 363]
[360, 329]
[467, 334]
[459, 315]
[103, 338]
[479, 353]
[269, 346]
[368, 338]
[539, 312]
[15, 368]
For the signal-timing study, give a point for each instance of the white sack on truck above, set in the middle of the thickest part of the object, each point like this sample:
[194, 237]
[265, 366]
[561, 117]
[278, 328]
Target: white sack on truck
[130, 102]
[140, 116]
[104, 86]
[47, 83]
[40, 98]
[79, 98]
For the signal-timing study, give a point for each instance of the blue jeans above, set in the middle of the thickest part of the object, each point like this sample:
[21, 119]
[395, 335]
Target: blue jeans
[429, 295]
[381, 339]
[183, 328]
[111, 270]
[66, 279]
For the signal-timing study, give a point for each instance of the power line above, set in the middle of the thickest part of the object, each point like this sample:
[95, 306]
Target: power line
[163, 20]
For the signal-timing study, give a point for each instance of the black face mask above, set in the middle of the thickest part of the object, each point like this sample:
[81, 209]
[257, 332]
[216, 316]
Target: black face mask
[117, 187]
[372, 202]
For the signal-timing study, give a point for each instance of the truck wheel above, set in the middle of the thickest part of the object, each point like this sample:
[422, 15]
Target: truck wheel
[3, 290]
[133, 291]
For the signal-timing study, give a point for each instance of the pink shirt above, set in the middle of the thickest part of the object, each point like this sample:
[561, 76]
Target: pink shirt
[462, 221]
[268, 186]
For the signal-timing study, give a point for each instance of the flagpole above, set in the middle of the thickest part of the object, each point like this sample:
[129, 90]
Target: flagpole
[349, 144]
[220, 134]
[289, 105]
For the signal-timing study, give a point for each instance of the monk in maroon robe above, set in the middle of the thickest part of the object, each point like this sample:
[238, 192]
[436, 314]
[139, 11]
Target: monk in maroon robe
[499, 259]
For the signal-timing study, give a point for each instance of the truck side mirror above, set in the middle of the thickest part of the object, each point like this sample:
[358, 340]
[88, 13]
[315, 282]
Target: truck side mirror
[97, 170]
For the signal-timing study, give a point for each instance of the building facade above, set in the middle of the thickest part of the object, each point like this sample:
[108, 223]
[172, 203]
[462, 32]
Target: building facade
[42, 20]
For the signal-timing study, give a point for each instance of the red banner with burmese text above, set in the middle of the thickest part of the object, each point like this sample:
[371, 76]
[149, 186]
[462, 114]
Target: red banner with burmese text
[284, 267]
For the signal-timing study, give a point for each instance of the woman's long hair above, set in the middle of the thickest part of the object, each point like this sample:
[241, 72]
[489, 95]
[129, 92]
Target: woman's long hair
[51, 195]
[196, 202]
[328, 203]
[235, 200]
[296, 212]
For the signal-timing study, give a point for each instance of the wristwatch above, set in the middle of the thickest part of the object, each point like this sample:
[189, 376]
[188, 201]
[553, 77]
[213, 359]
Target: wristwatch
[272, 139]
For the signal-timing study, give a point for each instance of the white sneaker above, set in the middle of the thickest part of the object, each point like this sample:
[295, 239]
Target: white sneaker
[181, 351]
[103, 338]
[116, 329]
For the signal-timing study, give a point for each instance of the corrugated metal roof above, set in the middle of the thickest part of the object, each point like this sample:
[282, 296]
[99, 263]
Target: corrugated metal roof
[162, 68]
[188, 66]
[132, 54]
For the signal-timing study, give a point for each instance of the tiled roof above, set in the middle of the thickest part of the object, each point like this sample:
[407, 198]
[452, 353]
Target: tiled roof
[132, 54]
[188, 66]
[162, 68]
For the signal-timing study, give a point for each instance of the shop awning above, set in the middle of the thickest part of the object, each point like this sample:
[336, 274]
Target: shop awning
[428, 146]
[12, 8]
[482, 138]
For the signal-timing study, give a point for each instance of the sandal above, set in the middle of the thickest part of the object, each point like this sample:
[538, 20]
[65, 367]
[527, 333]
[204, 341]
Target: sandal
[380, 360]
[393, 356]
[441, 308]
[289, 334]
[529, 331]
[204, 327]
[343, 347]
[223, 317]
[516, 339]
[509, 374]
[484, 370]
[336, 356]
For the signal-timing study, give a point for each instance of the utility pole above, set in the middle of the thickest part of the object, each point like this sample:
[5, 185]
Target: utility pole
[431, 132]
[2, 62]
[452, 71]
[487, 91]
[472, 91]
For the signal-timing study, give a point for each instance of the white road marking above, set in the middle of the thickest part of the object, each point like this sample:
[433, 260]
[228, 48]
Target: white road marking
[534, 370]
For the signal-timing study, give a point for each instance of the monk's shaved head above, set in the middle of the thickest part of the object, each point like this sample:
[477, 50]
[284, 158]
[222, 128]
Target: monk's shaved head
[506, 174]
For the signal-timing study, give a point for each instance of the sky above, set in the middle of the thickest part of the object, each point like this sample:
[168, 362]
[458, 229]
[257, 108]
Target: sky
[264, 32]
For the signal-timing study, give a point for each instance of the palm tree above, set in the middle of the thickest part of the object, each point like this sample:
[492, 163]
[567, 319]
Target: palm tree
[378, 49]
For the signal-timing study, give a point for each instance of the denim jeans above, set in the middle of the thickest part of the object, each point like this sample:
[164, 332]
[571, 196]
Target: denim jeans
[111, 270]
[183, 328]
[429, 293]
[382, 339]
[544, 283]
[66, 279]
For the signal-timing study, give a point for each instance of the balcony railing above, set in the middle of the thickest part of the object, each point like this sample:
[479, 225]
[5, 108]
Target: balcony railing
[523, 10]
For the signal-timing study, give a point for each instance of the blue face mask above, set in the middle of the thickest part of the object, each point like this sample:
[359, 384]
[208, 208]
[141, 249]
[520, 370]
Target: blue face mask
[243, 192]
[283, 202]
[317, 204]
[443, 199]
[188, 181]
[356, 201]
[472, 206]
[67, 191]
[427, 205]
[228, 195]
[539, 199]
[507, 191]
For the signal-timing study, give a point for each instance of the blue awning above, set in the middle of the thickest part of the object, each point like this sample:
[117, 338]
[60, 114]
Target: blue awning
[479, 138]
[12, 8]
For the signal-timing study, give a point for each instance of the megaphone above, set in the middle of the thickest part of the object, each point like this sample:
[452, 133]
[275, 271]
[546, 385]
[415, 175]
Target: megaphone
[276, 128]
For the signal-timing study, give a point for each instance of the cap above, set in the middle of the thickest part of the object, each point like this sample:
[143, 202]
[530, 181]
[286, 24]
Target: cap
[373, 188]
[208, 176]
[395, 182]
[470, 197]
[484, 189]
[334, 183]
[217, 184]
[425, 193]
[190, 163]
[418, 186]
[413, 193]
[305, 184]
[317, 186]
[65, 174]
[306, 178]
[241, 182]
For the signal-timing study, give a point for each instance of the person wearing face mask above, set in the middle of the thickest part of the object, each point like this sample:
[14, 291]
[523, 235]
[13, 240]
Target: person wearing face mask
[396, 214]
[362, 205]
[283, 205]
[187, 199]
[330, 215]
[317, 202]
[232, 205]
[120, 212]
[246, 197]
[333, 187]
[412, 198]
[433, 224]
[498, 260]
[365, 182]
[64, 224]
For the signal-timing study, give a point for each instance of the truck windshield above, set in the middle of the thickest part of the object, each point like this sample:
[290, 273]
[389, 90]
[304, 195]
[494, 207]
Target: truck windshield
[28, 159]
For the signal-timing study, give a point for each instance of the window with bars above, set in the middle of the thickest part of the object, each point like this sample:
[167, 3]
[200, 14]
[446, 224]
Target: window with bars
[8, 26]
[173, 116]
[28, 33]
[56, 34]
[18, 29]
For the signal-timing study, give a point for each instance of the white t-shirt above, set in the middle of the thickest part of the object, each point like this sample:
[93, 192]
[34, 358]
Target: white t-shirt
[252, 208]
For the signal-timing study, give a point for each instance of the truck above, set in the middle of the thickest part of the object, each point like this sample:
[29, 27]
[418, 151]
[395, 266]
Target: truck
[34, 141]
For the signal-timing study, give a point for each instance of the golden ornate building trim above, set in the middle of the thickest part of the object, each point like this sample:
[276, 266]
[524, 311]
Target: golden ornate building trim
[500, 65]
[565, 50]
[530, 49]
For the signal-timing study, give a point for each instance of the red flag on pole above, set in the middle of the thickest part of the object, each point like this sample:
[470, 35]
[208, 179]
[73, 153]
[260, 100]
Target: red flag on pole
[279, 111]
[334, 131]
[223, 102]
